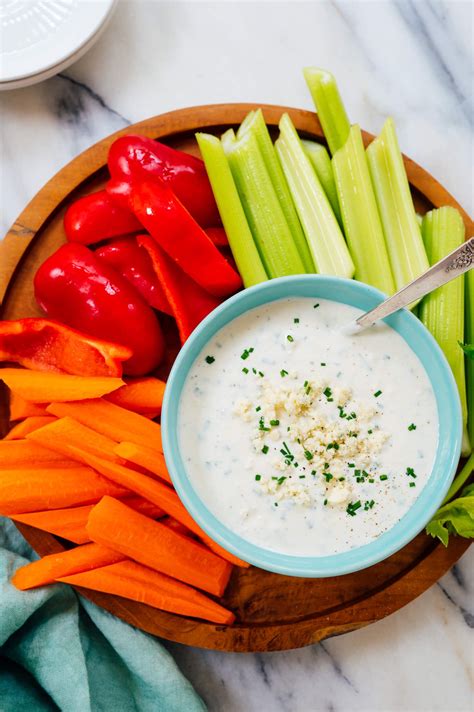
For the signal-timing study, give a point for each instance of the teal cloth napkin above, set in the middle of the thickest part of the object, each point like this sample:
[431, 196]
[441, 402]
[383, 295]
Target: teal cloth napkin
[59, 651]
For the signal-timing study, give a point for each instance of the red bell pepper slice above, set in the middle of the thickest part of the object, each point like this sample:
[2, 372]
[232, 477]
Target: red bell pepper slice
[190, 303]
[45, 345]
[218, 236]
[166, 219]
[97, 217]
[137, 157]
[75, 287]
[133, 262]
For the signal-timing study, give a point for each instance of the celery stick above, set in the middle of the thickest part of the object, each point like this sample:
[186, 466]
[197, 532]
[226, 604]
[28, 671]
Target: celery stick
[321, 162]
[323, 233]
[232, 214]
[360, 215]
[328, 102]
[402, 233]
[272, 235]
[469, 362]
[442, 311]
[254, 123]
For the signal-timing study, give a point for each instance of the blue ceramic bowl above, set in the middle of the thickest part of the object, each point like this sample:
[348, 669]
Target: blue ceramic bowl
[449, 414]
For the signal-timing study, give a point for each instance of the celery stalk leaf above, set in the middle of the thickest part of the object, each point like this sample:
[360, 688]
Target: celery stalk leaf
[468, 349]
[456, 517]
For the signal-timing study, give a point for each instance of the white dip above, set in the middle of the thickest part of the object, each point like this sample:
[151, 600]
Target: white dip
[304, 440]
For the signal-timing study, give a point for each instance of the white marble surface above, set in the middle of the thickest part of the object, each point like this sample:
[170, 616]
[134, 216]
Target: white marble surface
[412, 60]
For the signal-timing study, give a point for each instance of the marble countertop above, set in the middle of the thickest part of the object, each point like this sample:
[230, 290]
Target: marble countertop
[410, 59]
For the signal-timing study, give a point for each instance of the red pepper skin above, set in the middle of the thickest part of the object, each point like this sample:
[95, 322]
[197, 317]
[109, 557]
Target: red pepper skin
[77, 288]
[218, 236]
[46, 345]
[97, 217]
[133, 262]
[137, 158]
[166, 219]
[189, 302]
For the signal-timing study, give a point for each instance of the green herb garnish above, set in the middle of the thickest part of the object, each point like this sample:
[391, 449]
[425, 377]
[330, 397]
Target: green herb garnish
[258, 477]
[265, 449]
[377, 394]
[210, 359]
[289, 337]
[412, 427]
[352, 508]
[283, 373]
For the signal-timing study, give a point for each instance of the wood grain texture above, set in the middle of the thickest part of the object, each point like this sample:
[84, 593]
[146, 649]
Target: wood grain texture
[273, 612]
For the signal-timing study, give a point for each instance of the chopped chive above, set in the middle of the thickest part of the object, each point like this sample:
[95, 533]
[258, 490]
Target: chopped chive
[350, 464]
[412, 427]
[383, 478]
[261, 424]
[245, 354]
[281, 480]
[342, 414]
[283, 373]
[371, 480]
[313, 472]
[370, 432]
[258, 477]
[328, 477]
[210, 359]
[411, 472]
[326, 465]
[328, 393]
[251, 349]
[289, 337]
[308, 455]
[302, 477]
[332, 446]
[352, 508]
[325, 502]
[261, 374]
[296, 320]
[274, 422]
[258, 408]
[352, 434]
[245, 370]
[322, 363]
[412, 484]
[377, 394]
[276, 504]
[315, 306]
[265, 449]
[341, 479]
[254, 370]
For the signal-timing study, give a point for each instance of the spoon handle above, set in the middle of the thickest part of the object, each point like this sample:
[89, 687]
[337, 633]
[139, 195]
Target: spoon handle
[456, 263]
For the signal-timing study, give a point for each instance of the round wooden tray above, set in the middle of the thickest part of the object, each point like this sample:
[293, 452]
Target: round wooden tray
[273, 612]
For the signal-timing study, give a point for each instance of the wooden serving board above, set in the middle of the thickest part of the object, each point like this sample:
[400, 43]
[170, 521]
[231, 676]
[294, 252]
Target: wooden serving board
[273, 612]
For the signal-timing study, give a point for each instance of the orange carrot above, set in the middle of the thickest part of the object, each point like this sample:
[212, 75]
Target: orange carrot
[71, 523]
[131, 580]
[27, 426]
[44, 387]
[21, 408]
[151, 460]
[54, 566]
[112, 420]
[66, 433]
[141, 395]
[33, 489]
[160, 494]
[113, 524]
[24, 453]
[175, 526]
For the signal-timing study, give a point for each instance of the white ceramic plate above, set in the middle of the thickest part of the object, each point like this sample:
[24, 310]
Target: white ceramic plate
[39, 38]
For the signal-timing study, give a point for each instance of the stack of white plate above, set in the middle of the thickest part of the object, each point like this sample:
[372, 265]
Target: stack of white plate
[39, 38]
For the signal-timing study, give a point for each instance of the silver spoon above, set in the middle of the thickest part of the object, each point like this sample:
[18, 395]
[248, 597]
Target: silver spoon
[453, 265]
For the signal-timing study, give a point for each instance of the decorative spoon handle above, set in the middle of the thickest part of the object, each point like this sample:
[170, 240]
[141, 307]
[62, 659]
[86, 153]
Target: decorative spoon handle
[456, 263]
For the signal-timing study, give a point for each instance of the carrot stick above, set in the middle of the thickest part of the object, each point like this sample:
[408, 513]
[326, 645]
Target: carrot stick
[140, 395]
[27, 426]
[131, 580]
[175, 526]
[113, 524]
[21, 408]
[24, 453]
[151, 460]
[33, 489]
[53, 566]
[161, 494]
[66, 433]
[111, 420]
[71, 523]
[44, 387]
